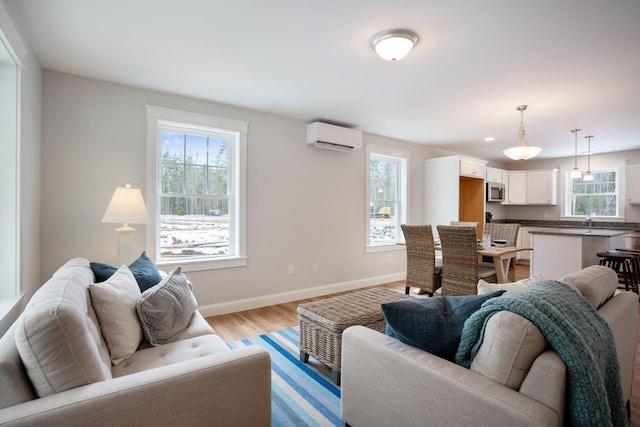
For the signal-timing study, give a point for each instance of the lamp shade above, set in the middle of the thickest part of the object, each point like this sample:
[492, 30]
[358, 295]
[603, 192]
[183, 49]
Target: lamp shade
[127, 207]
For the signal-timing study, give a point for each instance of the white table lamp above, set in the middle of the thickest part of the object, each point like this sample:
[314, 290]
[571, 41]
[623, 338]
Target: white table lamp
[126, 207]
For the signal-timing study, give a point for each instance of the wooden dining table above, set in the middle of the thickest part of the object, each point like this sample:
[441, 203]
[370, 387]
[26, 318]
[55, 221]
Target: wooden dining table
[501, 258]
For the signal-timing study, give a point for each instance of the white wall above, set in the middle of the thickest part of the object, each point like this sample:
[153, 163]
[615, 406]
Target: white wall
[305, 205]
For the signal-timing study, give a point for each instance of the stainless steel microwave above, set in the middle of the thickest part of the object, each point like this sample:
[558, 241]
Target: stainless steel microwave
[495, 192]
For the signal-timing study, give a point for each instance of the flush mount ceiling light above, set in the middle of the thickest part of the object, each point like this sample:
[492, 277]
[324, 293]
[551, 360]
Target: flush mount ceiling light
[393, 45]
[575, 173]
[588, 176]
[521, 151]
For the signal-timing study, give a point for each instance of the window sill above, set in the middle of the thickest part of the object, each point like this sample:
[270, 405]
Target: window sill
[385, 248]
[203, 264]
[7, 311]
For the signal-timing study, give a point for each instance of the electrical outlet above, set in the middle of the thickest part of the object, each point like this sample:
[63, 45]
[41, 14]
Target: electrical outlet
[316, 267]
[291, 270]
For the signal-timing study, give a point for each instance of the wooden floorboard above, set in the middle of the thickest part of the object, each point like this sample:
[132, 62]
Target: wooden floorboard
[250, 323]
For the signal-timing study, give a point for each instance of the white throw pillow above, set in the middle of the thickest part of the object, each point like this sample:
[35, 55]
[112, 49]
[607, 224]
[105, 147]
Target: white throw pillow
[487, 288]
[114, 301]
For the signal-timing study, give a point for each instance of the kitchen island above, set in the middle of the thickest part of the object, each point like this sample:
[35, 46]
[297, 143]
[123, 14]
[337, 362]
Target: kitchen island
[560, 251]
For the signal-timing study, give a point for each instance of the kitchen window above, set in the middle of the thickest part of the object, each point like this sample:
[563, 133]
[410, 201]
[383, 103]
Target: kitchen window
[386, 197]
[597, 198]
[196, 190]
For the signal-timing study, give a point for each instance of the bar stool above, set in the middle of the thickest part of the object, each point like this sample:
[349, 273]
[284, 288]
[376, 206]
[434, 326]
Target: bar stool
[625, 264]
[635, 264]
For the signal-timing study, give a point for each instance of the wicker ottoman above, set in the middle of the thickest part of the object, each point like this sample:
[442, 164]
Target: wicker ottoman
[322, 323]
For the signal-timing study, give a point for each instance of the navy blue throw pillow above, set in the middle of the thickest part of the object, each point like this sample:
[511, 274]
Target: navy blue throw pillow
[143, 269]
[432, 324]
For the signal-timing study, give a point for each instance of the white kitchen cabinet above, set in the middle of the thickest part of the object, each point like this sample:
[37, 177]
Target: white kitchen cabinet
[516, 188]
[542, 187]
[471, 167]
[633, 178]
[496, 175]
[450, 195]
[524, 241]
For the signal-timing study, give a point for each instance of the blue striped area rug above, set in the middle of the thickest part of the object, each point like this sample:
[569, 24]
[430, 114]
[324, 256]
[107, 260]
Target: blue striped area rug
[301, 394]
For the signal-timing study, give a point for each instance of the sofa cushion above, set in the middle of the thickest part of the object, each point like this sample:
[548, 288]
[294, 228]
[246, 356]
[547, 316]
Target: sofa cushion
[58, 336]
[487, 288]
[509, 347]
[596, 283]
[114, 301]
[174, 352]
[143, 269]
[165, 309]
[14, 382]
[432, 324]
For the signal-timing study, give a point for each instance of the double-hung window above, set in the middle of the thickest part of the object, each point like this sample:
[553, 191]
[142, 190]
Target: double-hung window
[387, 189]
[196, 188]
[9, 174]
[597, 198]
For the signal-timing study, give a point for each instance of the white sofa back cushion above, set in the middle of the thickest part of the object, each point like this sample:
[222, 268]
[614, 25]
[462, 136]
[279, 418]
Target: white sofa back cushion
[58, 336]
[14, 383]
[596, 283]
[509, 347]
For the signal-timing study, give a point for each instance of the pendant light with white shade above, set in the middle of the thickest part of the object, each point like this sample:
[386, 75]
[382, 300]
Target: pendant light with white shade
[522, 151]
[588, 176]
[575, 173]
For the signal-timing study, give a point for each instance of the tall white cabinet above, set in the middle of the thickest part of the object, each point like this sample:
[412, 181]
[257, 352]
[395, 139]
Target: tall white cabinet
[454, 190]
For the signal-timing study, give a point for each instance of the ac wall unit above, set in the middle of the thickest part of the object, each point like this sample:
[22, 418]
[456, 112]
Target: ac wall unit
[332, 137]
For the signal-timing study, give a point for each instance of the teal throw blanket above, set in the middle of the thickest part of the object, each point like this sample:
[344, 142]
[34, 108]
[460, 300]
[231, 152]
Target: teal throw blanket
[580, 336]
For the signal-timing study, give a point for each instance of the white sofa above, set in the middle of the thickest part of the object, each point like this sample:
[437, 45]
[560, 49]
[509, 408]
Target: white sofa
[194, 380]
[386, 382]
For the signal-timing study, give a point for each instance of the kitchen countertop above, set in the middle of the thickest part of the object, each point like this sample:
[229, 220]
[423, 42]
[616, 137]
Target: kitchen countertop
[595, 232]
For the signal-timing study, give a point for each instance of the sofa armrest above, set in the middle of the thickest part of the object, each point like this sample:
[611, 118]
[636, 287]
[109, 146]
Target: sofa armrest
[621, 314]
[385, 380]
[230, 388]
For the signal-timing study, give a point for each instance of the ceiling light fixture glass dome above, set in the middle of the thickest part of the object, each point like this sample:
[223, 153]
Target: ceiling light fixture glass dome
[393, 45]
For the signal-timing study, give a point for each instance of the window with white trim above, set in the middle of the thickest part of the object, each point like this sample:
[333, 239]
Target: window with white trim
[597, 198]
[197, 188]
[386, 196]
[9, 172]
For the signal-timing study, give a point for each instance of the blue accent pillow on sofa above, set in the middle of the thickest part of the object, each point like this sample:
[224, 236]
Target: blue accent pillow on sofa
[143, 269]
[432, 324]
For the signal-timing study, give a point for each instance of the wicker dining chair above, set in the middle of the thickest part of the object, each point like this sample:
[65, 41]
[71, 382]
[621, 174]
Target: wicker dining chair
[423, 270]
[460, 268]
[508, 232]
[463, 224]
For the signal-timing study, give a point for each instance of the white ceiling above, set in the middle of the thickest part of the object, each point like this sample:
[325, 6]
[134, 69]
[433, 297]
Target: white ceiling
[576, 63]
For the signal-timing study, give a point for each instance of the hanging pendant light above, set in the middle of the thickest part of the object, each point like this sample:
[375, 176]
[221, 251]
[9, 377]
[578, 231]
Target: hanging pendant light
[521, 151]
[575, 173]
[588, 176]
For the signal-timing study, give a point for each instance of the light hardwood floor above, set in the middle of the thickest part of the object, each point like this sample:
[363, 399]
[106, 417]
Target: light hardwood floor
[245, 324]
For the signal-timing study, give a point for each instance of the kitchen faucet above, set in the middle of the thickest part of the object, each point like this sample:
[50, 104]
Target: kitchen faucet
[590, 219]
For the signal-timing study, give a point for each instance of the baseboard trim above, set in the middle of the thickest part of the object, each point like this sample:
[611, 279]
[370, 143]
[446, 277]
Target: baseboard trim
[283, 297]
